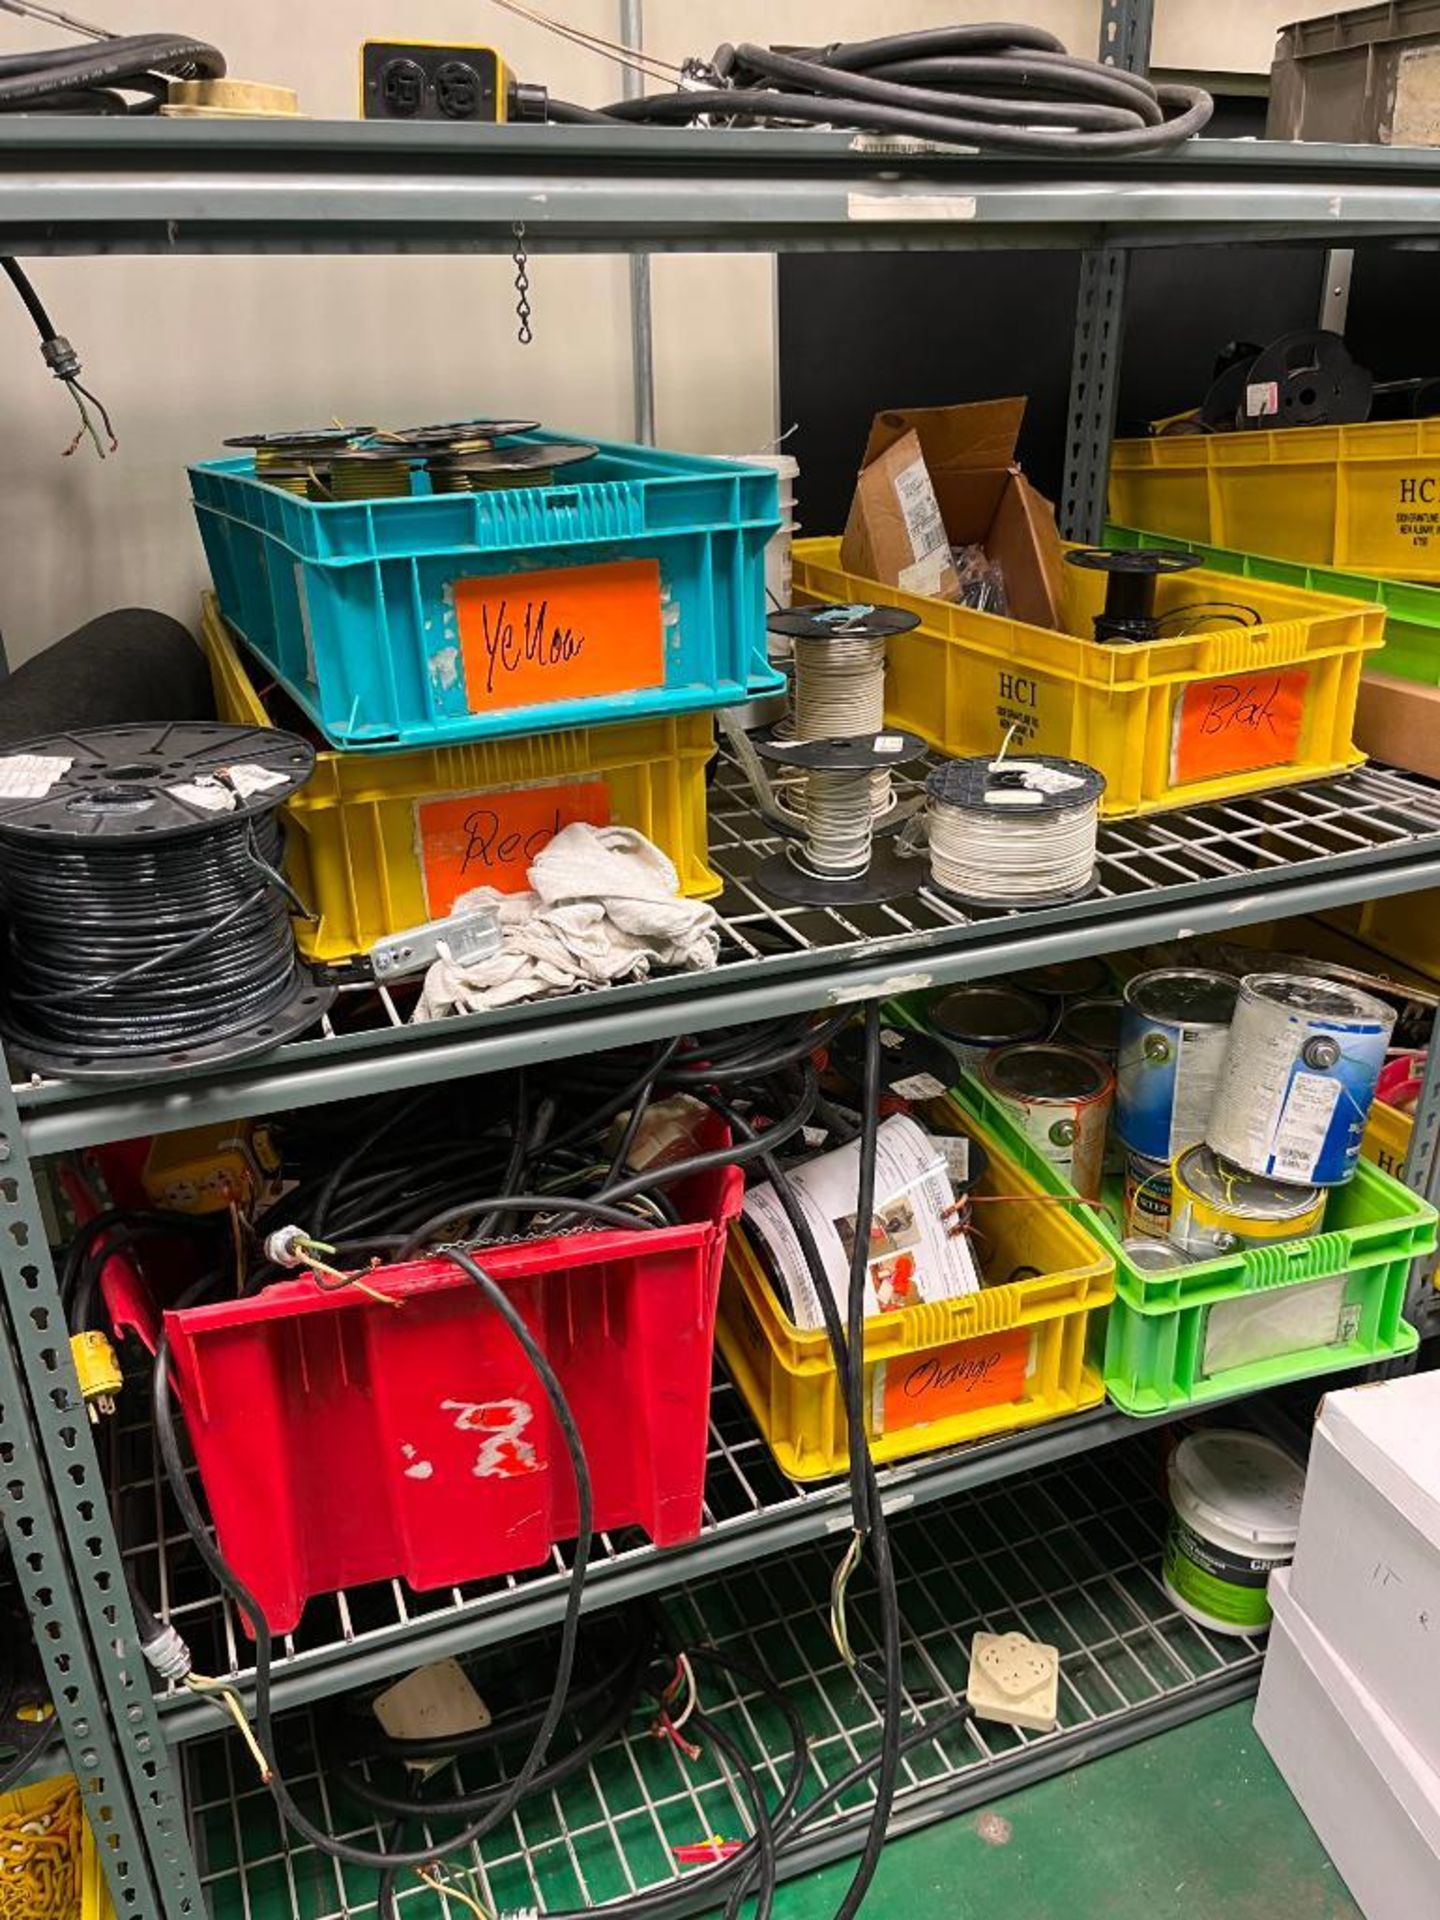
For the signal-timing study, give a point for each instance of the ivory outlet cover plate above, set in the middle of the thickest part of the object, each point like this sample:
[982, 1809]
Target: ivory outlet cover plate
[1014, 1680]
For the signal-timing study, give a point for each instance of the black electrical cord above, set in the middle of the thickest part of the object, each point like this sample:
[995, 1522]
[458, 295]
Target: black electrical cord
[1011, 88]
[119, 948]
[47, 1734]
[94, 78]
[783, 1054]
[106, 1235]
[617, 1692]
[61, 358]
[241, 1597]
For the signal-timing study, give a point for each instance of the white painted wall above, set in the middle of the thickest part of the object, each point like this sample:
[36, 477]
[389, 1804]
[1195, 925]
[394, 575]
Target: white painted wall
[187, 350]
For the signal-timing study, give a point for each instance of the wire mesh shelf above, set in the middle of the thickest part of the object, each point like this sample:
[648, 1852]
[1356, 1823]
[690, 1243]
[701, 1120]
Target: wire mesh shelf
[345, 1639]
[1069, 1556]
[1216, 864]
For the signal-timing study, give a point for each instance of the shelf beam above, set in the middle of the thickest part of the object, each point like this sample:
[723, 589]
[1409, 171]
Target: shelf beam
[62, 1117]
[177, 187]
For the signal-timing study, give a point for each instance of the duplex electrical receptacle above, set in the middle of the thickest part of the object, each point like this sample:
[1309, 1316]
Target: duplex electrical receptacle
[423, 80]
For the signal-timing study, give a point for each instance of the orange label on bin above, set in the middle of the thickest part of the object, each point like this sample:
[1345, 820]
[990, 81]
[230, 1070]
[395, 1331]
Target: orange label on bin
[1239, 724]
[489, 839]
[529, 639]
[924, 1387]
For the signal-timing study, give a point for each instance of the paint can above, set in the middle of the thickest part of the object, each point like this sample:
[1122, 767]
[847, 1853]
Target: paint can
[1093, 1024]
[1235, 1516]
[1060, 1099]
[1172, 1051]
[1065, 980]
[1299, 1077]
[1153, 1256]
[973, 1021]
[1217, 1208]
[1148, 1196]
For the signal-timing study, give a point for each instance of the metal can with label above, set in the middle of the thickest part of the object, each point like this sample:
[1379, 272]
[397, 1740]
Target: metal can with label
[1093, 1025]
[1060, 1099]
[973, 1021]
[1153, 1256]
[1299, 1078]
[1172, 1049]
[1218, 1208]
[1147, 1196]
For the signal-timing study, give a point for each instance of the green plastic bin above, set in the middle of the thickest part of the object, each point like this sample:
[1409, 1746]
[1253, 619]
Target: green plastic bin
[1255, 1318]
[1412, 611]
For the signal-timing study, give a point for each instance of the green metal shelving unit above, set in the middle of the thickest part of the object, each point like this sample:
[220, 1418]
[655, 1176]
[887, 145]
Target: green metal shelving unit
[1085, 1568]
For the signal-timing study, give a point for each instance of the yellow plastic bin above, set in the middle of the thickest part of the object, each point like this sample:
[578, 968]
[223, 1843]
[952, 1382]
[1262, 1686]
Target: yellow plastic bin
[1387, 1138]
[1366, 497]
[1169, 723]
[376, 842]
[48, 1855]
[1403, 927]
[1012, 1355]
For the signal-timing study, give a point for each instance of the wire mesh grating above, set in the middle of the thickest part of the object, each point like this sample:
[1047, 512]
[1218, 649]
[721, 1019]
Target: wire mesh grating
[1288, 834]
[1068, 1555]
[747, 1498]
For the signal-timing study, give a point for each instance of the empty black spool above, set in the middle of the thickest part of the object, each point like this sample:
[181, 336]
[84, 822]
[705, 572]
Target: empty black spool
[1129, 613]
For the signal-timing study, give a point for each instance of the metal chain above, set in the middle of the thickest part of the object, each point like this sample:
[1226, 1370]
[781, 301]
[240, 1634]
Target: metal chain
[524, 332]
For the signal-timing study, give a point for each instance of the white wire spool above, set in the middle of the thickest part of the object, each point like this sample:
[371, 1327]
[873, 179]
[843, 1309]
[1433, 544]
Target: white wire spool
[1014, 832]
[839, 679]
[833, 858]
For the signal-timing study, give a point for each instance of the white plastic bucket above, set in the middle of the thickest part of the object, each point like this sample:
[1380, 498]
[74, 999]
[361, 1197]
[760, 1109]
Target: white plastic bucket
[779, 580]
[1235, 1512]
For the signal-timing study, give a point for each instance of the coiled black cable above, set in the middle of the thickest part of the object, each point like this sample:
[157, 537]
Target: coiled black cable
[95, 79]
[119, 949]
[991, 86]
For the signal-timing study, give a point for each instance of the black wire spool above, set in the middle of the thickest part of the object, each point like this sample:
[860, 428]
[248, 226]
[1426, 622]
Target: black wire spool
[1316, 382]
[147, 924]
[1131, 574]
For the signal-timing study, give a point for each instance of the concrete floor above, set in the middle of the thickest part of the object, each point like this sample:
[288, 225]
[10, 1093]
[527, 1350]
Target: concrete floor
[1193, 1825]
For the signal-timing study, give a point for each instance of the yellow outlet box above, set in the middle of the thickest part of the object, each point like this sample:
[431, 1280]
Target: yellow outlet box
[433, 80]
[207, 1169]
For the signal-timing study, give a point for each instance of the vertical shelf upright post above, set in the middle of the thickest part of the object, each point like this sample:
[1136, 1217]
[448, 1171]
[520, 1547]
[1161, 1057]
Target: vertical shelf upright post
[1099, 320]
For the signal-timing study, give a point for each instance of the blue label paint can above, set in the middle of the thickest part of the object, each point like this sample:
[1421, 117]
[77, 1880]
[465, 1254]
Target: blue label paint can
[1172, 1046]
[1299, 1078]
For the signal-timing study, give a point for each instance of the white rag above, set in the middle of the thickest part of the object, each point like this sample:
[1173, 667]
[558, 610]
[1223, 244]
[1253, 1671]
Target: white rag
[604, 905]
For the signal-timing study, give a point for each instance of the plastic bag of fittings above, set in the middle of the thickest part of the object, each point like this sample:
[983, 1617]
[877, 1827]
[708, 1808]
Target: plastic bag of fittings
[982, 583]
[916, 1252]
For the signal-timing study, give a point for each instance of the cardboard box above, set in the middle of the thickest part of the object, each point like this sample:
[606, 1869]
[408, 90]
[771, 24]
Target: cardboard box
[1367, 1562]
[1367, 1792]
[984, 500]
[1398, 721]
[896, 525]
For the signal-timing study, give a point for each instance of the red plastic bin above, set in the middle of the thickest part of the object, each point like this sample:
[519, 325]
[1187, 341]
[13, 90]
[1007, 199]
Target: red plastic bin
[340, 1440]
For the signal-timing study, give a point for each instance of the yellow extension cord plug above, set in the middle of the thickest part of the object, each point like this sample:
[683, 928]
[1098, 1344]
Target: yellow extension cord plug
[98, 1371]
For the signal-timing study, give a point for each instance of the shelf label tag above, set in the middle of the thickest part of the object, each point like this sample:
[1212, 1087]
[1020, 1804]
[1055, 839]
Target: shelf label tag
[921, 1388]
[489, 839]
[571, 633]
[1238, 724]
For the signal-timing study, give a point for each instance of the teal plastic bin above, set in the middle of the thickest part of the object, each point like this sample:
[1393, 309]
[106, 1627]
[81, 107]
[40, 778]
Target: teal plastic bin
[357, 606]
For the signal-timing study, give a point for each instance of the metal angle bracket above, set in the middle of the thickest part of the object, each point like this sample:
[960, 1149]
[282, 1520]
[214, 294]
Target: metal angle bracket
[84, 1625]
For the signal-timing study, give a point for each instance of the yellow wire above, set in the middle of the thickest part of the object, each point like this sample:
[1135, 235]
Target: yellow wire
[312, 1248]
[839, 1631]
[447, 1894]
[230, 1700]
